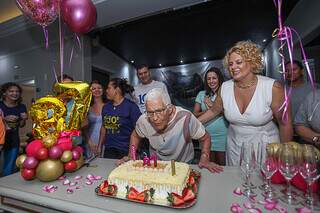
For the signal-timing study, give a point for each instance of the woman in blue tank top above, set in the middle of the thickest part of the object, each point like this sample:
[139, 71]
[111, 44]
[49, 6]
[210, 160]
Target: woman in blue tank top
[217, 128]
[92, 130]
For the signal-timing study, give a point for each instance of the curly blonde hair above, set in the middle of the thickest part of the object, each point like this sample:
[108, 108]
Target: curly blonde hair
[250, 52]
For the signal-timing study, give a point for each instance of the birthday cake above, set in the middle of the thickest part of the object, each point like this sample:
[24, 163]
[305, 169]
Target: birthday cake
[156, 182]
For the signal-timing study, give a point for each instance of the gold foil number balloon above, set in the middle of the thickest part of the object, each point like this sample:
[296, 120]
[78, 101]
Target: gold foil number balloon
[47, 114]
[49, 141]
[77, 97]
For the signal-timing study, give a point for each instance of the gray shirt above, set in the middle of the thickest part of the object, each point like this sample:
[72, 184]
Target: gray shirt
[309, 112]
[298, 96]
[175, 142]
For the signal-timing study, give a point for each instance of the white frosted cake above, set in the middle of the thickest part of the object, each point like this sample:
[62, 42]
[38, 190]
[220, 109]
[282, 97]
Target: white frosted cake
[133, 174]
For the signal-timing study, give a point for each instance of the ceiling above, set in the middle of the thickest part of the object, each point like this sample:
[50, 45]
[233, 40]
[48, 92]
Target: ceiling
[196, 33]
[8, 10]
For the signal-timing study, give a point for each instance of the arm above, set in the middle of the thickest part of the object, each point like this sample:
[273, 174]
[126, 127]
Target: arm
[205, 155]
[102, 138]
[307, 134]
[134, 140]
[197, 110]
[285, 127]
[216, 109]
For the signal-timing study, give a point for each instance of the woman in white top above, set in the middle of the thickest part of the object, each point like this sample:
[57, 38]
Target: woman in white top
[94, 119]
[250, 102]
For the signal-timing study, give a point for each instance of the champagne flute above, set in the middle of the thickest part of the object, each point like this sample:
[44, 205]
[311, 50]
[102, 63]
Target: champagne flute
[288, 162]
[247, 166]
[268, 166]
[309, 171]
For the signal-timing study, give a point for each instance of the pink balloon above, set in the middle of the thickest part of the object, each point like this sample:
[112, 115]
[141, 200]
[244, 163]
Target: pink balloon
[55, 152]
[78, 149]
[30, 163]
[33, 147]
[75, 155]
[79, 15]
[65, 143]
[42, 12]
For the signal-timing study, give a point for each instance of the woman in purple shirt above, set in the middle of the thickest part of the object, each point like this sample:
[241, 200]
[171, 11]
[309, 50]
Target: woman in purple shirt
[119, 118]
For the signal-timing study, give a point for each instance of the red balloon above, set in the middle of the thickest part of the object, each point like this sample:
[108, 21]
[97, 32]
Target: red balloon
[70, 166]
[43, 12]
[42, 154]
[79, 15]
[28, 174]
[33, 147]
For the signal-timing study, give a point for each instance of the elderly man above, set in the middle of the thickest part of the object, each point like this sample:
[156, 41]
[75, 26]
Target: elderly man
[170, 129]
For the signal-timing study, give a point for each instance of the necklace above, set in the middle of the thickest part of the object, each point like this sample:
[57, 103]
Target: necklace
[253, 82]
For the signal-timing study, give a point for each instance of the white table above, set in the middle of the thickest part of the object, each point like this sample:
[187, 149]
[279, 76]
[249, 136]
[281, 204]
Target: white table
[215, 194]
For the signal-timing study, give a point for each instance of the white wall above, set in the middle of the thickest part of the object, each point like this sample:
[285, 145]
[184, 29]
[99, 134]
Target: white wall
[38, 63]
[104, 59]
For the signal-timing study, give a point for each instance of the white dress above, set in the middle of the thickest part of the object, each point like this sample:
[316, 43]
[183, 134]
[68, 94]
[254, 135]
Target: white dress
[255, 124]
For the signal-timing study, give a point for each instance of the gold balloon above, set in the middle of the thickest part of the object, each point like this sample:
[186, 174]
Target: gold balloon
[20, 160]
[49, 170]
[81, 95]
[49, 141]
[47, 115]
[66, 156]
[80, 162]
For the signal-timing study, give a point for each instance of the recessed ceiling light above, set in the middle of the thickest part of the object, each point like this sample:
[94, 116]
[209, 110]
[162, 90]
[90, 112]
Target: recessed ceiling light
[204, 58]
[160, 65]
[132, 61]
[264, 40]
[16, 67]
[181, 61]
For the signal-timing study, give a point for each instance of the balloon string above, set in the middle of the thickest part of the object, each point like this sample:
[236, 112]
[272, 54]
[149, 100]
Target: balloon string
[72, 50]
[46, 36]
[285, 36]
[71, 55]
[61, 46]
[55, 74]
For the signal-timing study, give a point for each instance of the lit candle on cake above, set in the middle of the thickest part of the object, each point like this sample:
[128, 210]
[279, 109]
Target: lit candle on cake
[173, 168]
[154, 157]
[146, 160]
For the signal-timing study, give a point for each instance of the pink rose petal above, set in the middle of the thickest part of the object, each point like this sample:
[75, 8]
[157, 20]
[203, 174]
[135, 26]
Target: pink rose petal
[262, 202]
[78, 177]
[235, 208]
[97, 177]
[254, 210]
[270, 206]
[304, 210]
[69, 191]
[252, 198]
[237, 191]
[247, 204]
[90, 176]
[73, 183]
[281, 209]
[62, 177]
[78, 187]
[88, 182]
[49, 188]
[66, 182]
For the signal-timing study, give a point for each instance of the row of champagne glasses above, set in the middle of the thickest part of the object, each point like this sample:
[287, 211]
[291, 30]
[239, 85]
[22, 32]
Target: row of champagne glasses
[289, 160]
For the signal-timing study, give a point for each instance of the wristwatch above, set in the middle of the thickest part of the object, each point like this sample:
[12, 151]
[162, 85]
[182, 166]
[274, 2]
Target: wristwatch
[315, 139]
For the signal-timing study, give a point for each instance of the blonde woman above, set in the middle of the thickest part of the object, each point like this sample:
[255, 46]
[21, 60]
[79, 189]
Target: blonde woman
[250, 102]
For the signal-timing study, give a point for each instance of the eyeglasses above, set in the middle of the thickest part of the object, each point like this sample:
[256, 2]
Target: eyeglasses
[158, 112]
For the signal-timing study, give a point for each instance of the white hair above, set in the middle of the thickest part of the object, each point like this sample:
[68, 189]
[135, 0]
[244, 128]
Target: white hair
[156, 94]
